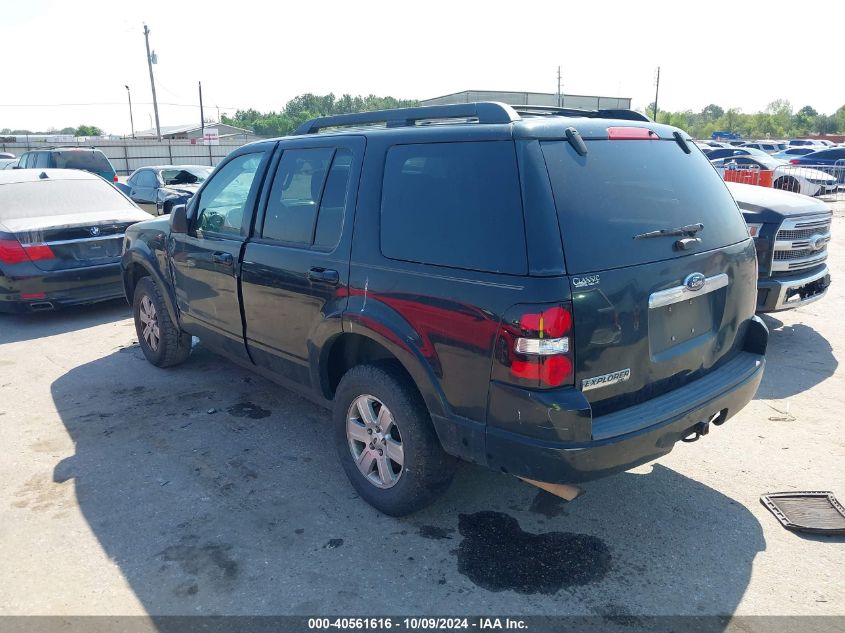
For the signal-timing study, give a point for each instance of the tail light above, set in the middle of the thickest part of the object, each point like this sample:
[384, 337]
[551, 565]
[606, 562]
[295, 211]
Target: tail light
[794, 161]
[13, 252]
[114, 178]
[534, 347]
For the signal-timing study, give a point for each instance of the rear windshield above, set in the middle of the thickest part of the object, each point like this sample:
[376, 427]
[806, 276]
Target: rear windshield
[58, 197]
[88, 161]
[624, 188]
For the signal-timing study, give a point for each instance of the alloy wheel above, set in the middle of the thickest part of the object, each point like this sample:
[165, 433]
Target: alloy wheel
[374, 441]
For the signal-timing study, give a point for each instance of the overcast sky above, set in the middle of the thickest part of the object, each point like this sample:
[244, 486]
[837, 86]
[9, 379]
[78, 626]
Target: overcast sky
[248, 54]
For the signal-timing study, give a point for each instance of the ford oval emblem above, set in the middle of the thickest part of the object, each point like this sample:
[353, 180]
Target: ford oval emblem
[695, 282]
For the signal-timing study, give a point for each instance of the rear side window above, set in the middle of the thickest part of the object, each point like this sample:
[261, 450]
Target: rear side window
[295, 195]
[42, 160]
[95, 162]
[308, 197]
[625, 188]
[454, 204]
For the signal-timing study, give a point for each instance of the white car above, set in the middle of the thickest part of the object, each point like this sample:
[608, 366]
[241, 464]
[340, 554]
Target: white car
[810, 182]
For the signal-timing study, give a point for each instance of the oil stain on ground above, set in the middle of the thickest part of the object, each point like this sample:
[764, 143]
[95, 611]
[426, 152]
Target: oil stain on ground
[497, 555]
[248, 410]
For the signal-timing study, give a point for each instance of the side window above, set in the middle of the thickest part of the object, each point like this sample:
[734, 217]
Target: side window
[334, 201]
[454, 204]
[223, 201]
[295, 195]
[146, 178]
[42, 160]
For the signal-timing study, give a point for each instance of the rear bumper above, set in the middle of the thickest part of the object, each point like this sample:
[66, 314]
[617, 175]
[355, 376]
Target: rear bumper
[633, 436]
[784, 293]
[54, 289]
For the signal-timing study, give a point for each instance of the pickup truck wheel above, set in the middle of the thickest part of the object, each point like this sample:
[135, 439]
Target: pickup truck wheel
[162, 342]
[386, 442]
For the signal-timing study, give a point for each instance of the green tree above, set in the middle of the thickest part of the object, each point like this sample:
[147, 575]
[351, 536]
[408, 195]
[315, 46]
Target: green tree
[88, 130]
[712, 112]
[307, 106]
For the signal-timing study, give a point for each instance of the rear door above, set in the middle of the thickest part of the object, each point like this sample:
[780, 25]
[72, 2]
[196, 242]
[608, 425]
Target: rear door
[295, 270]
[206, 260]
[650, 313]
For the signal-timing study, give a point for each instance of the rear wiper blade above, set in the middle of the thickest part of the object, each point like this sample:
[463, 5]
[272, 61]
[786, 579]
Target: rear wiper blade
[689, 229]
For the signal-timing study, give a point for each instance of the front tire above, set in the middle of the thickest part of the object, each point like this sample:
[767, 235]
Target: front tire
[386, 442]
[162, 342]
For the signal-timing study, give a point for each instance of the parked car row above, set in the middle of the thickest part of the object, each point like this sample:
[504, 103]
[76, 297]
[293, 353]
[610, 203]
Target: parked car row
[332, 261]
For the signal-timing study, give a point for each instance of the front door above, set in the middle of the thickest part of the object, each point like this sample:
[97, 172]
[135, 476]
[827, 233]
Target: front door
[206, 260]
[295, 270]
[143, 188]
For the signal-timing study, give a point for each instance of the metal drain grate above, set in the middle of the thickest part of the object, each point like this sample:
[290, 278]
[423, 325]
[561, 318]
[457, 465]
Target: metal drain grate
[814, 511]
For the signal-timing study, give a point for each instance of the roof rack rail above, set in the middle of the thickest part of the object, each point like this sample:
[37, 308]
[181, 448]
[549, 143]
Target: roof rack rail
[484, 111]
[628, 115]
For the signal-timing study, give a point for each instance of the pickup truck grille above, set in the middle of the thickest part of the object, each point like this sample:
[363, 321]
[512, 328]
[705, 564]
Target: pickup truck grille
[801, 243]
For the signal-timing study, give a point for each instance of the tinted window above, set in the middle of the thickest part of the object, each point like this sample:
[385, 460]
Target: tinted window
[42, 160]
[454, 204]
[830, 154]
[95, 162]
[334, 201]
[624, 188]
[295, 195]
[27, 160]
[223, 201]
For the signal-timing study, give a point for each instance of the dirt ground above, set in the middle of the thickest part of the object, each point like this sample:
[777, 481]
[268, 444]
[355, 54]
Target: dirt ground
[205, 489]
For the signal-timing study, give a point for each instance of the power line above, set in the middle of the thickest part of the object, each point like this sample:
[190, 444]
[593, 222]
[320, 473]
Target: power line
[107, 103]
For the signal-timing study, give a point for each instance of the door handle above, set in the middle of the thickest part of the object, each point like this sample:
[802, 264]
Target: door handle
[324, 275]
[219, 257]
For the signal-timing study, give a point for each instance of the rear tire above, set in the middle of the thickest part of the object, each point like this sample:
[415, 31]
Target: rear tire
[162, 342]
[787, 183]
[386, 442]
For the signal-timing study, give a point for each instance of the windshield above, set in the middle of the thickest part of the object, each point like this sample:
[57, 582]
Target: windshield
[59, 197]
[185, 175]
[624, 188]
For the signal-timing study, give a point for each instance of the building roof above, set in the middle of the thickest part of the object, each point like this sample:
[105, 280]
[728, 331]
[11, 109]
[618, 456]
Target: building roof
[169, 130]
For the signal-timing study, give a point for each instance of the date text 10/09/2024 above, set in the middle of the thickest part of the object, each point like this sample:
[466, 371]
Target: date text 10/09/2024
[417, 624]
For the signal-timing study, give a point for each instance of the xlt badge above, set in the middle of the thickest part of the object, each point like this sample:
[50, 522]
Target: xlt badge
[607, 379]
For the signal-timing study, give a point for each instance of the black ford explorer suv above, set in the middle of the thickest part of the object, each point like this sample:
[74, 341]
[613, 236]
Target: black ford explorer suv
[558, 295]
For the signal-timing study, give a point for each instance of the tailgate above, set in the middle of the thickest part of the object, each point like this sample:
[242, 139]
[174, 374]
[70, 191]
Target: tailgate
[662, 271]
[641, 332]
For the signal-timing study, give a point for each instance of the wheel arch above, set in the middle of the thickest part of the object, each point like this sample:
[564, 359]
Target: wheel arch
[134, 268]
[346, 350]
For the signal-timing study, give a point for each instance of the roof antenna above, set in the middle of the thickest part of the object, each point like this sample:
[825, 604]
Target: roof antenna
[43, 175]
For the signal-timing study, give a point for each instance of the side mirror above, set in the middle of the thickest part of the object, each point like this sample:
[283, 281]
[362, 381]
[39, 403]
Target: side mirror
[178, 219]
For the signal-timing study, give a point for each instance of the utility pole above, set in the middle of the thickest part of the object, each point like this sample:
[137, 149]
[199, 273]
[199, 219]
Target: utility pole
[202, 116]
[656, 92]
[558, 86]
[152, 79]
[131, 120]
